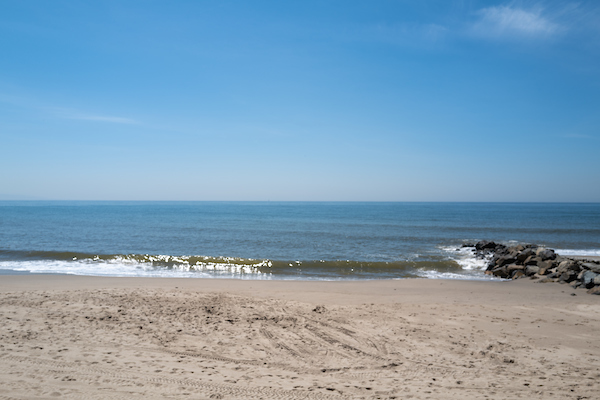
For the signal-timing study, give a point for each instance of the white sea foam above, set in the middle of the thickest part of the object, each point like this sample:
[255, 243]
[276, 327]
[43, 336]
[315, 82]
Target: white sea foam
[124, 267]
[471, 275]
[578, 252]
[465, 257]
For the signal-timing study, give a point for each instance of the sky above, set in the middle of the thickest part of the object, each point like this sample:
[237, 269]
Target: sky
[300, 100]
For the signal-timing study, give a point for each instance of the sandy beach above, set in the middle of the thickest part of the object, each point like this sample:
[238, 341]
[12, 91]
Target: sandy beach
[122, 338]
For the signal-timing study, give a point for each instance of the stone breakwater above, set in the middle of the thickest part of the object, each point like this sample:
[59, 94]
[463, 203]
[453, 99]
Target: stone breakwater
[537, 262]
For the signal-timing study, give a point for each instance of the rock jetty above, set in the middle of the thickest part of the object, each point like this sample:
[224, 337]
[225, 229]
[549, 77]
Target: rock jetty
[537, 262]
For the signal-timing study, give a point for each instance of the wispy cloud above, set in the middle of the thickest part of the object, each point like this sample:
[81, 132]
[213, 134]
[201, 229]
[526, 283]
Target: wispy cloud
[63, 112]
[100, 118]
[516, 23]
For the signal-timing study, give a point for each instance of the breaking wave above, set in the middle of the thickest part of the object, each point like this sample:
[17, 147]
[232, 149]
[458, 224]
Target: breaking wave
[226, 267]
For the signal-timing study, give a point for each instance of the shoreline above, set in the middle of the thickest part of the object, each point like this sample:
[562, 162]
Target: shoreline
[342, 292]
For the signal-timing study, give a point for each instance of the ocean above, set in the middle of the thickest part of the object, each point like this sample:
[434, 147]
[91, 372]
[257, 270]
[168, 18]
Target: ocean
[280, 240]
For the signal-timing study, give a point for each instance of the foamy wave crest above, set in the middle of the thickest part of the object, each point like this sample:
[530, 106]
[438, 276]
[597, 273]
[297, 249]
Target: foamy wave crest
[215, 265]
[470, 275]
[230, 267]
[91, 269]
[465, 257]
[576, 252]
[136, 265]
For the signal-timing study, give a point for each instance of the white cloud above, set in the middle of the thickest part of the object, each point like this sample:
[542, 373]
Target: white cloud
[68, 113]
[63, 112]
[103, 118]
[512, 22]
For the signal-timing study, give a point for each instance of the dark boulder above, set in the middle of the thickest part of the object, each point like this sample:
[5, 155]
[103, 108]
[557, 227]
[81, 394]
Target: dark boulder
[595, 267]
[501, 249]
[485, 244]
[545, 267]
[532, 270]
[525, 254]
[500, 272]
[587, 279]
[514, 267]
[568, 265]
[492, 263]
[505, 260]
[568, 276]
[513, 253]
[532, 260]
[546, 254]
[518, 274]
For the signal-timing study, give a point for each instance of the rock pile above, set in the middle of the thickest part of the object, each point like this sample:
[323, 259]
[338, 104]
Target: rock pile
[538, 262]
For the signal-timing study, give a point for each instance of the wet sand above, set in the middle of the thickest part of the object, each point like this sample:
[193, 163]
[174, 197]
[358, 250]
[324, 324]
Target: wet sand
[122, 338]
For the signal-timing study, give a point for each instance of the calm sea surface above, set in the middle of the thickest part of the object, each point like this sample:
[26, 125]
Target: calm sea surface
[280, 240]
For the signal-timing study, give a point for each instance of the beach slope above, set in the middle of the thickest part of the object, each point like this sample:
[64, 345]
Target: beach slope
[122, 338]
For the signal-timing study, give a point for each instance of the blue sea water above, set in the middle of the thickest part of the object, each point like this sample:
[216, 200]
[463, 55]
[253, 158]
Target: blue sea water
[281, 240]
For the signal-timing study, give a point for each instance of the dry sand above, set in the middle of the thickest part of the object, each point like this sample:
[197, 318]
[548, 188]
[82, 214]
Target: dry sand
[120, 338]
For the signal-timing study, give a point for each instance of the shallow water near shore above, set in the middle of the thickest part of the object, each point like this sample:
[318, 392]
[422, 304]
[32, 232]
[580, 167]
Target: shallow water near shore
[281, 240]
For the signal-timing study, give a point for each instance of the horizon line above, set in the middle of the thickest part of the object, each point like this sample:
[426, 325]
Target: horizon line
[301, 201]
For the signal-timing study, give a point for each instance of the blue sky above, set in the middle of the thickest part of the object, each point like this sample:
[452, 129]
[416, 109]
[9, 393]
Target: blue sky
[311, 100]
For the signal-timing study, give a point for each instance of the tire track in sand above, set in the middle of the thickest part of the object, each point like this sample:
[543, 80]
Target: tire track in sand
[95, 374]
